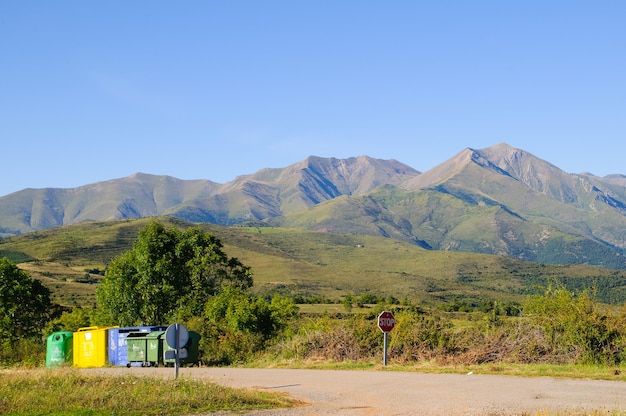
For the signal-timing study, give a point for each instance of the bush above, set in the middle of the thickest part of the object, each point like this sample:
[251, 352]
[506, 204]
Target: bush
[29, 352]
[417, 337]
[575, 328]
[238, 325]
[556, 327]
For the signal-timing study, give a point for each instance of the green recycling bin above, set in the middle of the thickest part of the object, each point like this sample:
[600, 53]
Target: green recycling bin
[154, 348]
[59, 349]
[137, 348]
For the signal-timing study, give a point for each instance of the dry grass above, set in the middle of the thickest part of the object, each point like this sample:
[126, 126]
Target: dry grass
[66, 391]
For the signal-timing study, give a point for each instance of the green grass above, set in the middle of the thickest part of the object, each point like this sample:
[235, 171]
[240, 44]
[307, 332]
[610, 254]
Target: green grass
[298, 262]
[68, 392]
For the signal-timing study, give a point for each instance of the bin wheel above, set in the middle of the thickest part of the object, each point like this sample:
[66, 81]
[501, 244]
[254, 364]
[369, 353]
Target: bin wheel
[128, 365]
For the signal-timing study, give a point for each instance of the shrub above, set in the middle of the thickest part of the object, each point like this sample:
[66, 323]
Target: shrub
[238, 325]
[575, 328]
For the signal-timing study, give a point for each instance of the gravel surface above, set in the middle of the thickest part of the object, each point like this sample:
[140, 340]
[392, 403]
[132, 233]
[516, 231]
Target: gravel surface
[342, 392]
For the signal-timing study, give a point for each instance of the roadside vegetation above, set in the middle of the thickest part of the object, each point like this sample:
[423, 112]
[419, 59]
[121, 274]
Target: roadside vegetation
[68, 392]
[177, 274]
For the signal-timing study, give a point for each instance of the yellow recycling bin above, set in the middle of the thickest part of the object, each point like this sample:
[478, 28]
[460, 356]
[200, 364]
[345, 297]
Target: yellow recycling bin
[91, 346]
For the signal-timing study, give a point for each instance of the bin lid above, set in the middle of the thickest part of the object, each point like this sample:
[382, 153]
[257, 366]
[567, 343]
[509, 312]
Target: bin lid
[137, 334]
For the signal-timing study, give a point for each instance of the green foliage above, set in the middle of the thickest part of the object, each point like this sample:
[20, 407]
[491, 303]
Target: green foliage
[15, 256]
[336, 338]
[347, 303]
[560, 250]
[575, 326]
[167, 270]
[417, 336]
[70, 321]
[239, 324]
[23, 352]
[369, 298]
[557, 326]
[478, 320]
[608, 289]
[25, 305]
[471, 304]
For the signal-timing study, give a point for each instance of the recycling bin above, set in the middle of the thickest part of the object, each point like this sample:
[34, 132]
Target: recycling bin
[136, 348]
[90, 346]
[118, 351]
[154, 348]
[59, 349]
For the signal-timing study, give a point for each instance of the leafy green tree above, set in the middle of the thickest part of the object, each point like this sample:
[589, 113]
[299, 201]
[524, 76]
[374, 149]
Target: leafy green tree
[237, 311]
[69, 321]
[165, 272]
[25, 305]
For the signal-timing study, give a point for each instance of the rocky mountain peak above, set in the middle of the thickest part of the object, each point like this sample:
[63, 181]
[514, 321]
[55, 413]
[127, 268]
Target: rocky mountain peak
[499, 200]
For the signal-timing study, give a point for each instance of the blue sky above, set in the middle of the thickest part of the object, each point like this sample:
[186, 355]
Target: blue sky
[93, 91]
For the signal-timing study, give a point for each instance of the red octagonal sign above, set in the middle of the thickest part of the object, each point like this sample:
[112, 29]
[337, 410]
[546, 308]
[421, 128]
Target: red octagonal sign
[386, 321]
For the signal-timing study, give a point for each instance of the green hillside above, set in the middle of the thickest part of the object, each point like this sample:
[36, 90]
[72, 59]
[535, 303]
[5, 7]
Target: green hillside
[311, 266]
[499, 201]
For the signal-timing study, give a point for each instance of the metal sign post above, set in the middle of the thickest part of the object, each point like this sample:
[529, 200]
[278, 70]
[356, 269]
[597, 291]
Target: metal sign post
[177, 336]
[176, 347]
[385, 342]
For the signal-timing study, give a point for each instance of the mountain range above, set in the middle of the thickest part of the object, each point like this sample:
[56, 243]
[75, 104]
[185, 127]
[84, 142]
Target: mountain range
[498, 200]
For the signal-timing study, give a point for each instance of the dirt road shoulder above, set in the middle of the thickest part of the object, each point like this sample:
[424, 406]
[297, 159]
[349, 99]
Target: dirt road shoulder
[342, 392]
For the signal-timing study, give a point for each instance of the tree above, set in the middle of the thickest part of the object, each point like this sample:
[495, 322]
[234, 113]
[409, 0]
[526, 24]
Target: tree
[24, 303]
[237, 311]
[165, 272]
[69, 321]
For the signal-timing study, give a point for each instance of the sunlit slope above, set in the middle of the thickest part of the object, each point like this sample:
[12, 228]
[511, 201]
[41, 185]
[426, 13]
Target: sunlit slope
[499, 200]
[304, 263]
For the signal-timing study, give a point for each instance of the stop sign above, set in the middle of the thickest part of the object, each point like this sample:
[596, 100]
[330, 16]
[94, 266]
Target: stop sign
[386, 321]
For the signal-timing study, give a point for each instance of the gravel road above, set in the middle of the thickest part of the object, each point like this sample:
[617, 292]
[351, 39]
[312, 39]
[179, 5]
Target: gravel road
[352, 393]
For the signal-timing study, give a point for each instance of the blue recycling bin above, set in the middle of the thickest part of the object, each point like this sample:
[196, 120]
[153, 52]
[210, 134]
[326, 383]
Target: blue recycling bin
[118, 351]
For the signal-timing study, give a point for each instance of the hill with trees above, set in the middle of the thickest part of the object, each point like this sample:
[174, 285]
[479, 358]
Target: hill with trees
[474, 309]
[499, 200]
[309, 266]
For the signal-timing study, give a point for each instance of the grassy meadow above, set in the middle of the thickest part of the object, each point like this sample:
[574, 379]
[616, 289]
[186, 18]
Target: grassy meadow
[316, 267]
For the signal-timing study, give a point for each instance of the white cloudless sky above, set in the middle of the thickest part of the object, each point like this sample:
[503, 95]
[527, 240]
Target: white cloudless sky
[91, 91]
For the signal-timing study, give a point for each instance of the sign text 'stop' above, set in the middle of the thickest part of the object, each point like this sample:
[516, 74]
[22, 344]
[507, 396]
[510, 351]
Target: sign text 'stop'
[386, 321]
